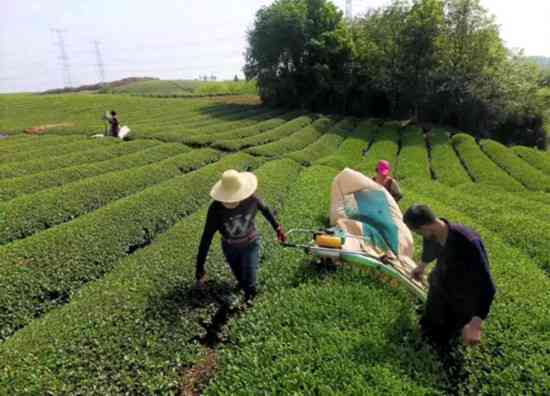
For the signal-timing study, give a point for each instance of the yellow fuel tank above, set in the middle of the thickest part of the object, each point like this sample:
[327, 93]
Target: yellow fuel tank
[328, 241]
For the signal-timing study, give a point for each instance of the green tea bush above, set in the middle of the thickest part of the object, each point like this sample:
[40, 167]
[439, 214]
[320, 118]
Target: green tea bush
[352, 149]
[296, 141]
[12, 188]
[537, 159]
[33, 213]
[527, 175]
[93, 155]
[446, 166]
[253, 129]
[481, 168]
[275, 134]
[140, 318]
[326, 145]
[413, 158]
[385, 147]
[43, 271]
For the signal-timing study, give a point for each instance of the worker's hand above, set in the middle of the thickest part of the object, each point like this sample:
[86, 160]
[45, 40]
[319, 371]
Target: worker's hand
[472, 332]
[281, 236]
[201, 282]
[418, 272]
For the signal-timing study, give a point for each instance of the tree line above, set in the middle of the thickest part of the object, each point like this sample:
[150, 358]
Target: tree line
[435, 61]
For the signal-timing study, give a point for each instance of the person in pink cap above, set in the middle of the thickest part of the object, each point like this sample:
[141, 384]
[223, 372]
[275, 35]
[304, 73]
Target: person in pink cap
[383, 177]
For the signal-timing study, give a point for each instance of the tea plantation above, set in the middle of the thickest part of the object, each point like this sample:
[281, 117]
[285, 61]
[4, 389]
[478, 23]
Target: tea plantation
[98, 239]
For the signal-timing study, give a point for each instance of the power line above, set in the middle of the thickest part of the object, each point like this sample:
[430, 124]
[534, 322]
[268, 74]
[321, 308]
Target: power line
[100, 66]
[64, 57]
[349, 10]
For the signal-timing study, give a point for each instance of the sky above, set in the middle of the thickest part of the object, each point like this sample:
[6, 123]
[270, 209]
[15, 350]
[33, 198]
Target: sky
[173, 39]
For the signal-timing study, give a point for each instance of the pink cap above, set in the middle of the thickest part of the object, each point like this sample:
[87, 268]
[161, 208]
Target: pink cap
[383, 168]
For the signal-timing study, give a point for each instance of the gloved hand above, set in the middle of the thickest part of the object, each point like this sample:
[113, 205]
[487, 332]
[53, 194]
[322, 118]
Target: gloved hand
[281, 236]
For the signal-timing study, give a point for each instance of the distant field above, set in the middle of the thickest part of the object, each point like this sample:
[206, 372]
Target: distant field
[98, 240]
[186, 88]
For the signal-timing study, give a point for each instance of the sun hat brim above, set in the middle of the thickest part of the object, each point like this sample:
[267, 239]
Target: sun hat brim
[249, 184]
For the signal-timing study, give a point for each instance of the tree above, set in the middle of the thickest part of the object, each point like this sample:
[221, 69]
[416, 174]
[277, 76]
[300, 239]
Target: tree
[236, 78]
[298, 51]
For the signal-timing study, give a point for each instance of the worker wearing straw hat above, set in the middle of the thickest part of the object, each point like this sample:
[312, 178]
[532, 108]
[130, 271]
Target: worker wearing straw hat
[233, 214]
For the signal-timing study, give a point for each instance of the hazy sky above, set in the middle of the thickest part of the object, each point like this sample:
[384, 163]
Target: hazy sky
[173, 39]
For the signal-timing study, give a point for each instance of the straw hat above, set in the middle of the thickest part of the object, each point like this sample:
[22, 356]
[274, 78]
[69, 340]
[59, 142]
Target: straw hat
[234, 186]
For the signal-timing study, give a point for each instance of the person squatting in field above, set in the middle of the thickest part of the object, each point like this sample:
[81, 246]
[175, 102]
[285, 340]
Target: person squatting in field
[384, 178]
[233, 214]
[461, 288]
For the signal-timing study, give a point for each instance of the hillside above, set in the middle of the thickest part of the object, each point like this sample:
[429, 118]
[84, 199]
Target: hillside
[98, 240]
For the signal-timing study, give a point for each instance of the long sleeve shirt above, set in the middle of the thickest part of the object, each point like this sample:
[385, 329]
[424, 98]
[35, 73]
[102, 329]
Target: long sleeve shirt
[237, 226]
[462, 275]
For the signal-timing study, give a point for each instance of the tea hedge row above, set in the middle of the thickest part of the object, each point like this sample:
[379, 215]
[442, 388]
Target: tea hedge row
[296, 141]
[385, 147]
[250, 120]
[43, 271]
[143, 154]
[193, 120]
[140, 318]
[30, 214]
[34, 144]
[527, 175]
[275, 134]
[88, 156]
[326, 145]
[446, 165]
[413, 158]
[351, 151]
[77, 144]
[204, 139]
[479, 166]
[537, 159]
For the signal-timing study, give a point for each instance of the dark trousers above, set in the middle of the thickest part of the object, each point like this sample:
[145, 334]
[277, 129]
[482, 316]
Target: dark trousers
[442, 320]
[244, 262]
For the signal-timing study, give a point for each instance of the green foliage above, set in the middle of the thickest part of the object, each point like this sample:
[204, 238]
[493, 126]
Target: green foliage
[326, 145]
[204, 129]
[280, 132]
[535, 158]
[413, 158]
[446, 165]
[90, 155]
[30, 143]
[185, 88]
[385, 147]
[257, 127]
[296, 141]
[141, 317]
[43, 271]
[297, 51]
[141, 154]
[351, 150]
[530, 177]
[33, 213]
[481, 168]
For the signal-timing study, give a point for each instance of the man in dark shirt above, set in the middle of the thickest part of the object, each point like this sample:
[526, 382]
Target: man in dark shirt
[114, 124]
[461, 288]
[233, 214]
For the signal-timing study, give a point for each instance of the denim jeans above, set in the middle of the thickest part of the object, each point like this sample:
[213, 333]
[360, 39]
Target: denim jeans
[244, 262]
